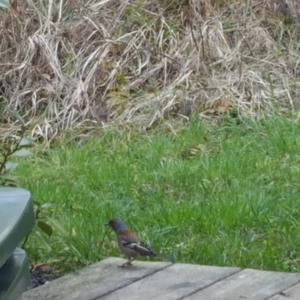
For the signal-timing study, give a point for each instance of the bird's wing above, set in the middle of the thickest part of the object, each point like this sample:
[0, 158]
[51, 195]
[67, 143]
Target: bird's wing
[139, 247]
[129, 240]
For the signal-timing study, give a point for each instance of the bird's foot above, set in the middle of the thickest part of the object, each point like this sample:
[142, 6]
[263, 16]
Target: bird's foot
[126, 264]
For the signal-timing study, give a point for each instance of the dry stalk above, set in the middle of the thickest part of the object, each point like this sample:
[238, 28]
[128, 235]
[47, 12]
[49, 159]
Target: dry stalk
[68, 63]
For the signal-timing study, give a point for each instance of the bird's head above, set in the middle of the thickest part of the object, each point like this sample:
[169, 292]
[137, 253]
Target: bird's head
[117, 225]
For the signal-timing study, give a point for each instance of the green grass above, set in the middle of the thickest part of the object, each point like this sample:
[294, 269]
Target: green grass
[216, 195]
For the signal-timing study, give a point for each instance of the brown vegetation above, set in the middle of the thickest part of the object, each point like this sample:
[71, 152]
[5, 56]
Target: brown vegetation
[68, 63]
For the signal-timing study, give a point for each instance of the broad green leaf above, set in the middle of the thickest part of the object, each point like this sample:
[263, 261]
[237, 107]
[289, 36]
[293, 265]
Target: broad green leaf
[22, 153]
[10, 166]
[46, 205]
[45, 227]
[26, 142]
[4, 3]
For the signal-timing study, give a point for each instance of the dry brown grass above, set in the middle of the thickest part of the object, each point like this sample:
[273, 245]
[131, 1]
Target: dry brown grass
[66, 63]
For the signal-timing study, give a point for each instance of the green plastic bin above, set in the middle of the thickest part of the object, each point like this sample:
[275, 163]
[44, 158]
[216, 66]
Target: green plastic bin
[16, 221]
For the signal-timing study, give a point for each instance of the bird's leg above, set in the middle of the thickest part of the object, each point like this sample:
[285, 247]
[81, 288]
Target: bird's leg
[127, 263]
[130, 260]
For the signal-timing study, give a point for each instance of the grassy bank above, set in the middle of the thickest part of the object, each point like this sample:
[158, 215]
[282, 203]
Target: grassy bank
[224, 195]
[68, 63]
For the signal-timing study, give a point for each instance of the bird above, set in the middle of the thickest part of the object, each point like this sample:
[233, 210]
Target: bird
[129, 244]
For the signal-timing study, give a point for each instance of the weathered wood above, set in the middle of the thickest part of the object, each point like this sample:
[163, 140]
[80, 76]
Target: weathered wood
[162, 280]
[173, 282]
[94, 281]
[248, 284]
[292, 293]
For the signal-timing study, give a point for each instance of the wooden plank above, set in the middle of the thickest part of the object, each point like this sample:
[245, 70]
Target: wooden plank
[248, 284]
[94, 281]
[173, 282]
[292, 293]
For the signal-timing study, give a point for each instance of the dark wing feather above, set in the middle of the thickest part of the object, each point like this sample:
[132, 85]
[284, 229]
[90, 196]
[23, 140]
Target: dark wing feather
[130, 241]
[139, 247]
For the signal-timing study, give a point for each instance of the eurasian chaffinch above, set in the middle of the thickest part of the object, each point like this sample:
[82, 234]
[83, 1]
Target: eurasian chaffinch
[128, 242]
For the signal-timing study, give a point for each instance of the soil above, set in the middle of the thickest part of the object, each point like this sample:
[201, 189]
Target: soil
[40, 274]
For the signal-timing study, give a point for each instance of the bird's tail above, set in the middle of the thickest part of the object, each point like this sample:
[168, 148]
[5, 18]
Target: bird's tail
[164, 257]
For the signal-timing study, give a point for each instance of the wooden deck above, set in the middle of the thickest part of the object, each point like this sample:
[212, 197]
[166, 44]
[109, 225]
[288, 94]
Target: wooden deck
[163, 280]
